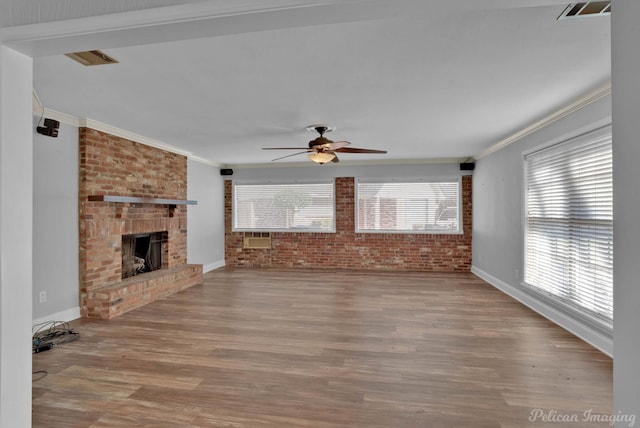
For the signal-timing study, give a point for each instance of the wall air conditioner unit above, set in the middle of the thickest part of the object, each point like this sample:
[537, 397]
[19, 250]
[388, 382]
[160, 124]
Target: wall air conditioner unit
[257, 240]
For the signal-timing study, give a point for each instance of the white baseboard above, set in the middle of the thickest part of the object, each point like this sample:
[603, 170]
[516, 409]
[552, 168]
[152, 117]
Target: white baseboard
[584, 332]
[74, 313]
[66, 316]
[213, 266]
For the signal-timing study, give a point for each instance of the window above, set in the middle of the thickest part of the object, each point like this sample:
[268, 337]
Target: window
[295, 207]
[408, 207]
[569, 225]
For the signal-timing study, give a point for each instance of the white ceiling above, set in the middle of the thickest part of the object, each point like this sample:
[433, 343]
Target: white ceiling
[421, 79]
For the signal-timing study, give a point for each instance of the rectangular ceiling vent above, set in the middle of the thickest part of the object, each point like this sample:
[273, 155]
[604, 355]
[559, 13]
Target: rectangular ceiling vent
[586, 9]
[92, 58]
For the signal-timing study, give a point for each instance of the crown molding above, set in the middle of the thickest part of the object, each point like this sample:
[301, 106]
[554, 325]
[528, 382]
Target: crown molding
[118, 132]
[40, 110]
[62, 117]
[205, 161]
[369, 162]
[573, 107]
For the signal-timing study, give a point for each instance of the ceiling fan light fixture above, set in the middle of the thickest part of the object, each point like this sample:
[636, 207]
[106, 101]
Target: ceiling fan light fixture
[322, 150]
[322, 157]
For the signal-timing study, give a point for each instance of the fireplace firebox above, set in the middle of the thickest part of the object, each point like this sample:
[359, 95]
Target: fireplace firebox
[142, 252]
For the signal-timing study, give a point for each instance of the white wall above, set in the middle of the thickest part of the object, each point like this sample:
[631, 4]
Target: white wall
[498, 213]
[626, 208]
[55, 225]
[16, 177]
[205, 221]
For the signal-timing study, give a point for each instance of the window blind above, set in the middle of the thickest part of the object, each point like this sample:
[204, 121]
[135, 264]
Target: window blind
[569, 224]
[295, 207]
[408, 207]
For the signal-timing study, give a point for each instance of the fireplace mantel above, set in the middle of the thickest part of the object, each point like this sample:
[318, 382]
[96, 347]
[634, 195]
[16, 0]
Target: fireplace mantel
[140, 200]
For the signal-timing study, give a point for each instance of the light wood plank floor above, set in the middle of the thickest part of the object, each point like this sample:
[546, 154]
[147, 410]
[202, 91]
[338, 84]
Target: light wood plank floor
[283, 348]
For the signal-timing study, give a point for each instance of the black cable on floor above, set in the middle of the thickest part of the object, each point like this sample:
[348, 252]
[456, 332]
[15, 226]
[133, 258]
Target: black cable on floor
[50, 334]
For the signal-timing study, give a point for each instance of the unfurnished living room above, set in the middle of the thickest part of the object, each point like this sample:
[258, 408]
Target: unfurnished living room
[305, 213]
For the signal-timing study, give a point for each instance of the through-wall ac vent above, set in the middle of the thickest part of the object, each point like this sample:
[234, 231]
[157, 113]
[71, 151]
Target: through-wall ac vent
[257, 240]
[92, 58]
[586, 9]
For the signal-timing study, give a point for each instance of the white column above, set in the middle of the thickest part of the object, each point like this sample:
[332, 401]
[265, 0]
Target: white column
[16, 187]
[625, 29]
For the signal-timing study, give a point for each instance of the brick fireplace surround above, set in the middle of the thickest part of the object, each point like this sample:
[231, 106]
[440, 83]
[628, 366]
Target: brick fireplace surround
[111, 165]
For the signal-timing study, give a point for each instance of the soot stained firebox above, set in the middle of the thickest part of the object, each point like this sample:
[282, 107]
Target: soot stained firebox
[142, 252]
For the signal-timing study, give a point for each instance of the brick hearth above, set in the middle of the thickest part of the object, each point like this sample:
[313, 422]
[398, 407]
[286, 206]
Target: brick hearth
[112, 300]
[111, 165]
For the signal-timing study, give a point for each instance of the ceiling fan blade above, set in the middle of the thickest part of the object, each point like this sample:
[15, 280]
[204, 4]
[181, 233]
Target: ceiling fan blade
[321, 149]
[356, 150]
[335, 145]
[285, 148]
[288, 156]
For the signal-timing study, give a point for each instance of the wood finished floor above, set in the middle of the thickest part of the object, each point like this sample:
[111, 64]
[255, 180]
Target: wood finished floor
[278, 348]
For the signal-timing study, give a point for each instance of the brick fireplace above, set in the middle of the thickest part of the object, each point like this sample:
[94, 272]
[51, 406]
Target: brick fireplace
[128, 189]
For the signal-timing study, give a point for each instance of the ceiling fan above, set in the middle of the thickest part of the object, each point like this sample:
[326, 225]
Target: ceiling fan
[322, 150]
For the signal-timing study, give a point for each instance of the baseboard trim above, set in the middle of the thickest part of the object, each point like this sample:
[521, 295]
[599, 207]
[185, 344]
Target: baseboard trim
[213, 266]
[66, 316]
[589, 335]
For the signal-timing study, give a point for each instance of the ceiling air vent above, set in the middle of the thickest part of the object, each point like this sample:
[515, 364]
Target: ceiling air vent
[92, 58]
[586, 9]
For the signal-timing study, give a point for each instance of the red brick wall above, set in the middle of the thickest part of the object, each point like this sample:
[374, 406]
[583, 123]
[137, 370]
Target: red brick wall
[111, 165]
[116, 166]
[346, 249]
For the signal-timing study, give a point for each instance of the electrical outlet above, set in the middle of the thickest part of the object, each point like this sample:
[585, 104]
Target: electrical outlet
[43, 296]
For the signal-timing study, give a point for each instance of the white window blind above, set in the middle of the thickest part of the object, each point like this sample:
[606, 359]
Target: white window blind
[295, 207]
[569, 225]
[408, 207]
